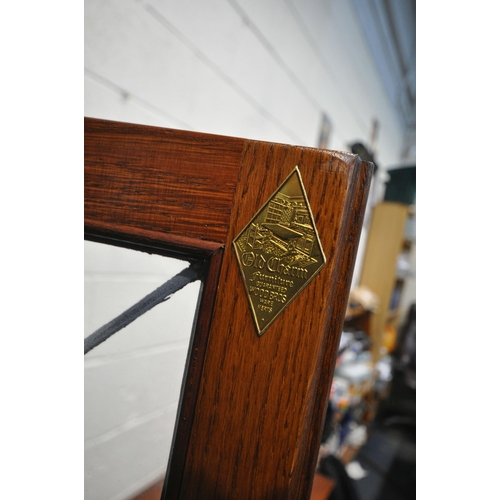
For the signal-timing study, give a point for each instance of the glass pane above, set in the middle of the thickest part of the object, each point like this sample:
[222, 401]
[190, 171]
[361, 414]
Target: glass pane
[133, 379]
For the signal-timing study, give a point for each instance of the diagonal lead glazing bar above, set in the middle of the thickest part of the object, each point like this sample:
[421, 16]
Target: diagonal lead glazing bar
[162, 293]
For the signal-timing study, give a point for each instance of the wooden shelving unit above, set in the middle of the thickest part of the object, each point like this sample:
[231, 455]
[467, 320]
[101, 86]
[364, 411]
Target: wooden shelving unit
[386, 240]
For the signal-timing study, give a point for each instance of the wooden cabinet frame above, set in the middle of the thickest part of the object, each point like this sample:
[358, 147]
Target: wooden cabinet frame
[252, 407]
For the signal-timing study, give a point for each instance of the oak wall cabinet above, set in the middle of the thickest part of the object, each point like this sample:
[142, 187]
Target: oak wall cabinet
[253, 402]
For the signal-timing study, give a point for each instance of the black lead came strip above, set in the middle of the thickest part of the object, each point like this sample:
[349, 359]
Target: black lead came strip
[162, 293]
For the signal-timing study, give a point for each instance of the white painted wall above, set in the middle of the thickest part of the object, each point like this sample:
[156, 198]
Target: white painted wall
[132, 380]
[259, 69]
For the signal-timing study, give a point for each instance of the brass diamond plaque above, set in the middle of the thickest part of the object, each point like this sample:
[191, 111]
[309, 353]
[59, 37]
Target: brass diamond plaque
[279, 251]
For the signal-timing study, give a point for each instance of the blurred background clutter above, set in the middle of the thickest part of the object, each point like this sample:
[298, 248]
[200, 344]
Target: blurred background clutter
[335, 74]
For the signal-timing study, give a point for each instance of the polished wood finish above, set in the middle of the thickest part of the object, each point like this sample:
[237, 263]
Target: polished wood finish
[321, 490]
[253, 408]
[193, 373]
[264, 397]
[153, 492]
[160, 185]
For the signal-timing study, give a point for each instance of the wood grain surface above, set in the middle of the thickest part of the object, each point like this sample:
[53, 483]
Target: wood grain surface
[262, 400]
[253, 407]
[159, 183]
